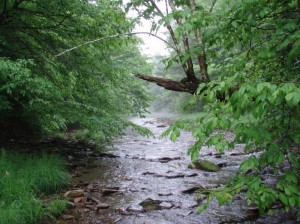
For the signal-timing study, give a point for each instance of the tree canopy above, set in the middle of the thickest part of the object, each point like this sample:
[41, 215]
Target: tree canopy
[91, 86]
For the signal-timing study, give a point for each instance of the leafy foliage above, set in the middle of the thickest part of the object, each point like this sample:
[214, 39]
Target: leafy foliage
[253, 52]
[91, 86]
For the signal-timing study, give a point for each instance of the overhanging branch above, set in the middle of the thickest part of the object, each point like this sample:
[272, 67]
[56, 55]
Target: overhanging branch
[184, 86]
[114, 36]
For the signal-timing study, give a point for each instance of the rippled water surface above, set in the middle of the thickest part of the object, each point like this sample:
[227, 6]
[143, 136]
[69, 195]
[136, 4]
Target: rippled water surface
[156, 169]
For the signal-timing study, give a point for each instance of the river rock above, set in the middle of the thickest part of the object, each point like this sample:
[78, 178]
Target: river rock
[102, 206]
[135, 208]
[165, 194]
[161, 126]
[168, 159]
[77, 200]
[176, 175]
[74, 193]
[91, 207]
[90, 186]
[165, 205]
[202, 164]
[71, 204]
[192, 189]
[113, 190]
[150, 205]
[67, 217]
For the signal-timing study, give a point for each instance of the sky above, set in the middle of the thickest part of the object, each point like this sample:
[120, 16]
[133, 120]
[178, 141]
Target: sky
[152, 46]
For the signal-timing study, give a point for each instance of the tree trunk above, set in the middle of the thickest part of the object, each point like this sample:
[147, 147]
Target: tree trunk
[201, 56]
[189, 63]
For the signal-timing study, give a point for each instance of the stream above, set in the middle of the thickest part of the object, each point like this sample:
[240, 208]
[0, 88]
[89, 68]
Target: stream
[147, 181]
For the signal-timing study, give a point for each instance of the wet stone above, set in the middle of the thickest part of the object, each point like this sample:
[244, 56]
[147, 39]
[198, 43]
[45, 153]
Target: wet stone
[191, 175]
[165, 205]
[165, 194]
[192, 189]
[77, 200]
[91, 207]
[150, 205]
[178, 175]
[135, 208]
[161, 126]
[70, 204]
[194, 205]
[67, 217]
[168, 159]
[221, 165]
[123, 211]
[148, 173]
[90, 186]
[74, 193]
[85, 210]
[127, 178]
[114, 190]
[102, 206]
[202, 164]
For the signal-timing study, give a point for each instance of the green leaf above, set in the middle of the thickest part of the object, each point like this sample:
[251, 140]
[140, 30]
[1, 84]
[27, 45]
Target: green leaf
[293, 98]
[234, 24]
[175, 134]
[283, 199]
[200, 88]
[223, 197]
[225, 123]
[292, 201]
[249, 164]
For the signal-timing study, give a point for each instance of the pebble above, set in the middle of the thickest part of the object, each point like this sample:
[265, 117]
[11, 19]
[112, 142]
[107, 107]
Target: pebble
[74, 193]
[165, 205]
[67, 217]
[102, 206]
[135, 208]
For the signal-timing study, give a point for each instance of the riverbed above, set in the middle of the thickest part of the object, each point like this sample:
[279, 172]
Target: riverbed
[145, 180]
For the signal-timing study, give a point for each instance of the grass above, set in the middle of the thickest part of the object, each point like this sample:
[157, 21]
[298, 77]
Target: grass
[56, 207]
[23, 180]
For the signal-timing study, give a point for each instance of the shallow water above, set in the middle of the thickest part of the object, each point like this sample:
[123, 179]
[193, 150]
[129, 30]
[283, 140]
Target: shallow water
[142, 171]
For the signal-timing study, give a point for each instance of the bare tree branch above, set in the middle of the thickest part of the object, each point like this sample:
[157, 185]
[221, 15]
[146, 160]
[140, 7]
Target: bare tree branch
[113, 36]
[167, 9]
[212, 6]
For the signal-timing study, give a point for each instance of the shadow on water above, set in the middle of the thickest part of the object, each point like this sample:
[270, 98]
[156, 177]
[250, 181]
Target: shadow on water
[154, 184]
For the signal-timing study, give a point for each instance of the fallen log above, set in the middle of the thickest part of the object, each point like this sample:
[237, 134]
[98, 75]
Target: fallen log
[179, 86]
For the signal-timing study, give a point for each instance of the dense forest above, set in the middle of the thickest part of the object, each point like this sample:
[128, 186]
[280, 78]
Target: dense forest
[66, 63]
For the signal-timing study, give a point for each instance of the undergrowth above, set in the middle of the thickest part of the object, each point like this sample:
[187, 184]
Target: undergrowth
[24, 179]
